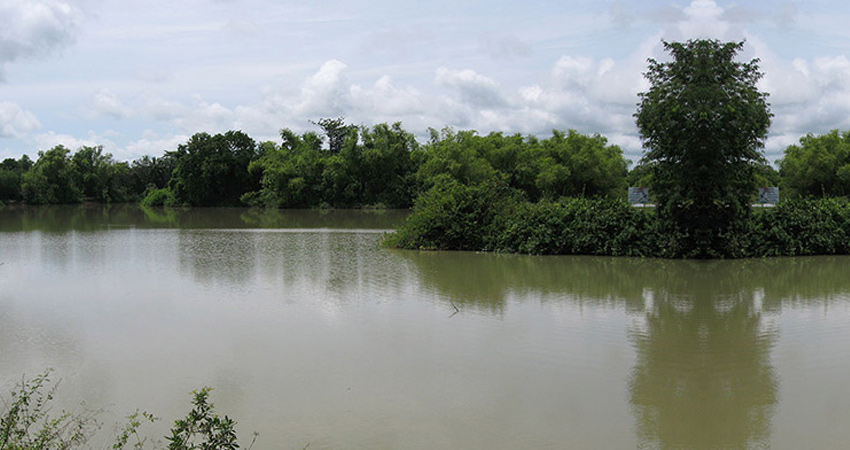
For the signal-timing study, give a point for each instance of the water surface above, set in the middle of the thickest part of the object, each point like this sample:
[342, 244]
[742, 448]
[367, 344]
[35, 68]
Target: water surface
[311, 333]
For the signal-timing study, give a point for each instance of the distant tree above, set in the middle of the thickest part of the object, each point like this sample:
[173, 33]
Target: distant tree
[818, 166]
[456, 155]
[213, 170]
[51, 179]
[373, 167]
[11, 171]
[703, 123]
[150, 172]
[97, 176]
[337, 131]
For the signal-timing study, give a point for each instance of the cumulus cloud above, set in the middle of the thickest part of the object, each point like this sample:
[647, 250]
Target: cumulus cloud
[590, 92]
[16, 122]
[46, 141]
[327, 93]
[210, 117]
[151, 144]
[31, 28]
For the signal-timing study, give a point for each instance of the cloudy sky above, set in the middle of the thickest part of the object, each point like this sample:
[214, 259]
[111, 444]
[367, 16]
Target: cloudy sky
[139, 78]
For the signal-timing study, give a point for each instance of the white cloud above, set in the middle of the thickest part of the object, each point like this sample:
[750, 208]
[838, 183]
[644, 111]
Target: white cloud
[33, 28]
[46, 141]
[474, 89]
[16, 122]
[326, 93]
[150, 145]
[209, 117]
[105, 102]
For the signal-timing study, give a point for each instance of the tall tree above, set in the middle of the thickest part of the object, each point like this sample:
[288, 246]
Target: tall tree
[703, 123]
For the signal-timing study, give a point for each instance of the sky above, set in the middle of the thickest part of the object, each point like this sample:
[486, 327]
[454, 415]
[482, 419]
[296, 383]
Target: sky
[139, 78]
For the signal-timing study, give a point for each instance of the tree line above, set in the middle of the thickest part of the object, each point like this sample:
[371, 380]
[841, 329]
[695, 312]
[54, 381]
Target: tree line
[349, 166]
[343, 166]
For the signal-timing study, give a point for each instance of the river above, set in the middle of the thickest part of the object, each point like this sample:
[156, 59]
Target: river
[314, 336]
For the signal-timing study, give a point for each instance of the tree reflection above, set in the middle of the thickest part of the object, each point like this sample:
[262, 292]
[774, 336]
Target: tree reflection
[703, 378]
[703, 331]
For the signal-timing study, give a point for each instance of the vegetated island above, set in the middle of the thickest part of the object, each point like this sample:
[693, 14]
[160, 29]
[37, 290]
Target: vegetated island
[703, 125]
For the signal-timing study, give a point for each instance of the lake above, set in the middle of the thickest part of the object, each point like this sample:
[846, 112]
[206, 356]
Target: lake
[314, 336]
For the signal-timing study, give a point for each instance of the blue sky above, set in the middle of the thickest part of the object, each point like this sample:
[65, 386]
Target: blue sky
[139, 78]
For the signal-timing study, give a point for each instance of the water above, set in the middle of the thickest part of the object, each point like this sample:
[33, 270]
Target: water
[310, 333]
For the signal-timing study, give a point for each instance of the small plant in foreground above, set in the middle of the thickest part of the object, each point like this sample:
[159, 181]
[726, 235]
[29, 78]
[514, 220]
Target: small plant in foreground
[26, 422]
[202, 429]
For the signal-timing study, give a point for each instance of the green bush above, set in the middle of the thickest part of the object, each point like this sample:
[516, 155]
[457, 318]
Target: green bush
[800, 227]
[27, 422]
[578, 226]
[457, 217]
[159, 197]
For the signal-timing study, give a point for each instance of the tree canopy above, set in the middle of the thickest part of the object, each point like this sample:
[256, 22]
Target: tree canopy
[703, 123]
[818, 166]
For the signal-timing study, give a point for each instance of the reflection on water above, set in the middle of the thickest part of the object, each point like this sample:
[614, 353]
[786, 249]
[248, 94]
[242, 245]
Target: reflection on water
[703, 379]
[315, 334]
[66, 218]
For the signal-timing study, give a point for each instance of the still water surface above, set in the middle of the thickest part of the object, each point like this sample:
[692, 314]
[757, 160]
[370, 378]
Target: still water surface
[310, 333]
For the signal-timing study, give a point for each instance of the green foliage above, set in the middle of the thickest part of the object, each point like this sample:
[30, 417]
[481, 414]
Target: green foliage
[158, 197]
[51, 179]
[819, 166]
[455, 216]
[131, 428]
[202, 429]
[457, 155]
[800, 227]
[11, 171]
[566, 164]
[213, 170]
[98, 177]
[150, 172]
[367, 167]
[452, 216]
[579, 226]
[26, 422]
[703, 123]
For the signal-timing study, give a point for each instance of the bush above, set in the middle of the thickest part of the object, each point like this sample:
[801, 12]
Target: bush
[159, 197]
[26, 423]
[579, 226]
[457, 217]
[800, 227]
[454, 216]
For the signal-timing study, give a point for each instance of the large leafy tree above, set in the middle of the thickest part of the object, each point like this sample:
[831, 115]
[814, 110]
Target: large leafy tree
[51, 179]
[213, 170]
[703, 123]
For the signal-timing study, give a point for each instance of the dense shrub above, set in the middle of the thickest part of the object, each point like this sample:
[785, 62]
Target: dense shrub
[578, 226]
[800, 227]
[158, 197]
[457, 217]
